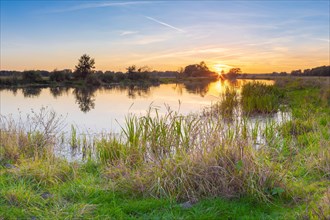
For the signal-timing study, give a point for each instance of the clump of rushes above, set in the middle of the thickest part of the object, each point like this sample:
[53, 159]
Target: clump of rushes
[184, 157]
[228, 104]
[260, 98]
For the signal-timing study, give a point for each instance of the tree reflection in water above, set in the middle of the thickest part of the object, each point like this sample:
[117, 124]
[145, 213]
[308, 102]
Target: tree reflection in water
[197, 87]
[85, 98]
[141, 91]
[30, 92]
[58, 91]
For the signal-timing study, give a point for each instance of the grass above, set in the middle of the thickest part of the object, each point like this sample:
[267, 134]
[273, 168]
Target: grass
[161, 161]
[90, 196]
[260, 98]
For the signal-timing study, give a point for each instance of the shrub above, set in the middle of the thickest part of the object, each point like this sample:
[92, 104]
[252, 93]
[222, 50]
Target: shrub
[31, 76]
[59, 76]
[107, 77]
[93, 79]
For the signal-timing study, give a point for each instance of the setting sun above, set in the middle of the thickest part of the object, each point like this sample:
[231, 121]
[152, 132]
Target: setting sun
[221, 68]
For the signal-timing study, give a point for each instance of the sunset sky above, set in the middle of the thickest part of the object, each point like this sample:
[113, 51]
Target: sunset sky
[257, 36]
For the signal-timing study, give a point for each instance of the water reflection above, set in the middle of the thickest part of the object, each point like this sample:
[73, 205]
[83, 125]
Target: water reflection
[141, 91]
[59, 91]
[29, 92]
[198, 87]
[85, 98]
[202, 88]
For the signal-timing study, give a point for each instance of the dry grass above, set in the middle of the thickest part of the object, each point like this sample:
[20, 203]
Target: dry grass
[33, 137]
[188, 157]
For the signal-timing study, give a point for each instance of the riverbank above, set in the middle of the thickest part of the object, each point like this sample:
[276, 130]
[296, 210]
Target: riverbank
[215, 171]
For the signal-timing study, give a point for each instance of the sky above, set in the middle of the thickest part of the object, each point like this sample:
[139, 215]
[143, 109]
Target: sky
[256, 36]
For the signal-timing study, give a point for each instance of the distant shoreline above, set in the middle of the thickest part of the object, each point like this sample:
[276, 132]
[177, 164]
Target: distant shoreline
[161, 80]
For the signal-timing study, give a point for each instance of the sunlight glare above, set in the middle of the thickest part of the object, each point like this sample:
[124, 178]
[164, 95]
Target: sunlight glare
[220, 68]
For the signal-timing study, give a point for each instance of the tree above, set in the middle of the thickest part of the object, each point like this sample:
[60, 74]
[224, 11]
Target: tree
[85, 66]
[296, 72]
[198, 70]
[134, 73]
[233, 73]
[131, 69]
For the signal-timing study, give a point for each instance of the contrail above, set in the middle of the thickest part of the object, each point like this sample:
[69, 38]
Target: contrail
[165, 24]
[99, 5]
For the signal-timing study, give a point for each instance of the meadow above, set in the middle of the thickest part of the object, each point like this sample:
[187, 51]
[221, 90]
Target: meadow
[209, 165]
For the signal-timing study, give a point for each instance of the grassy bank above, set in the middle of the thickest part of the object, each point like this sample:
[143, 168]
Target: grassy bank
[173, 166]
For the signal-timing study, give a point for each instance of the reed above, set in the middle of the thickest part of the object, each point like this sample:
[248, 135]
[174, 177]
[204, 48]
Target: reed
[260, 98]
[227, 105]
[184, 157]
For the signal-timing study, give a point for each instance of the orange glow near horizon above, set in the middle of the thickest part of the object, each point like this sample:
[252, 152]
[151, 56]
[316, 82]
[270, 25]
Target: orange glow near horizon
[69, 61]
[221, 68]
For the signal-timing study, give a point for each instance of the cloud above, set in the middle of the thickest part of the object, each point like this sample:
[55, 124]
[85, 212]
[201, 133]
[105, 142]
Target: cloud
[144, 40]
[98, 5]
[164, 24]
[185, 53]
[124, 33]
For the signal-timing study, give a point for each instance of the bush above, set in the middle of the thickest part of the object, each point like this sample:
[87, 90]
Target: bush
[93, 80]
[59, 76]
[107, 77]
[118, 77]
[31, 76]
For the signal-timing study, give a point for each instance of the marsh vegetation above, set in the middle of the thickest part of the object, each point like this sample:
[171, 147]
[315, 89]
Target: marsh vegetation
[221, 162]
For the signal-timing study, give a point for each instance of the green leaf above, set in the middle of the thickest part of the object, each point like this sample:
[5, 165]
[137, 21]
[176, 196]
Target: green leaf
[277, 191]
[239, 165]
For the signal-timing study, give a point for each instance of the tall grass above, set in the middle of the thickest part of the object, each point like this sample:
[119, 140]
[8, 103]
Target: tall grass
[260, 98]
[185, 157]
[227, 107]
[33, 137]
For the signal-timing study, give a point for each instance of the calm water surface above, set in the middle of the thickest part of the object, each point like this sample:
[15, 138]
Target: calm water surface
[104, 109]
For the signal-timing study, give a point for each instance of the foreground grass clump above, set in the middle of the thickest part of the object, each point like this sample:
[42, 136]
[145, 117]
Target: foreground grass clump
[182, 158]
[260, 98]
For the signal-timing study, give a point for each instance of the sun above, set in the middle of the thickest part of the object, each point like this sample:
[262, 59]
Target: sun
[220, 68]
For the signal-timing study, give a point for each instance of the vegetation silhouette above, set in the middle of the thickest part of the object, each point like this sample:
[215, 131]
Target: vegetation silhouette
[233, 73]
[85, 66]
[60, 75]
[198, 70]
[85, 75]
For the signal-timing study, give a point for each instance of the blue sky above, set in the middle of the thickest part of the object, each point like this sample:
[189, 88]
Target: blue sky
[258, 36]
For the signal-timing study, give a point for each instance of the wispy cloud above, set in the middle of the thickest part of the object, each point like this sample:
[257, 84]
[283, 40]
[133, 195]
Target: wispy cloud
[323, 39]
[98, 5]
[145, 40]
[185, 53]
[165, 24]
[125, 33]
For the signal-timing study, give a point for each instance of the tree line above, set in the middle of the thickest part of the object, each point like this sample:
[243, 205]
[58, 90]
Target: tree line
[317, 71]
[85, 73]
